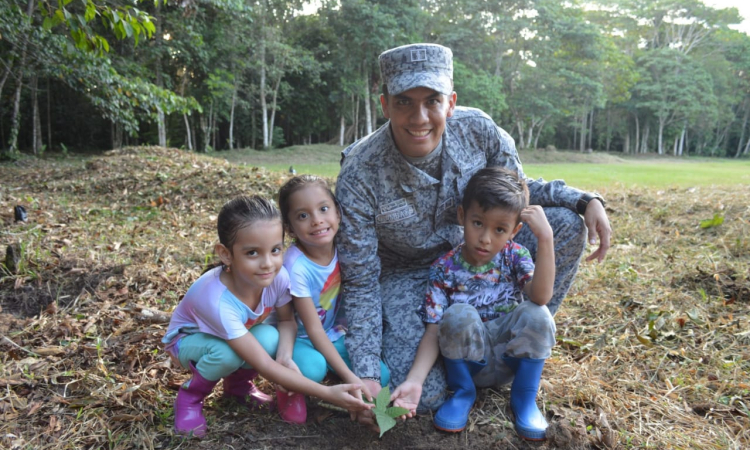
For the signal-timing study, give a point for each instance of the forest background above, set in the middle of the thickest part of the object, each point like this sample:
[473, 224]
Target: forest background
[630, 76]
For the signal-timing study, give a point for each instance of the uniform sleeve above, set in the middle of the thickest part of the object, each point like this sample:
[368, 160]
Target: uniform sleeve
[436, 299]
[502, 152]
[360, 272]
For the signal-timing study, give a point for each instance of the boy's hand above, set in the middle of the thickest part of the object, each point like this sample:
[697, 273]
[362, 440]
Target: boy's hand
[534, 218]
[407, 395]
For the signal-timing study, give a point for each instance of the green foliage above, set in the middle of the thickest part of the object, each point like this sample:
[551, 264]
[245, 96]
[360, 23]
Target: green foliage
[386, 415]
[717, 220]
[79, 19]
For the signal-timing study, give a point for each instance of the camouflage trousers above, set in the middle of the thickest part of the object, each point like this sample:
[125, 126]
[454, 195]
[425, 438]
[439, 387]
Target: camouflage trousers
[527, 332]
[403, 292]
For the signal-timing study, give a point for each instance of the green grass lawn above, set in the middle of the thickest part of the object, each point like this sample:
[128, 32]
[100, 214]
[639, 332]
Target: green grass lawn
[587, 171]
[658, 174]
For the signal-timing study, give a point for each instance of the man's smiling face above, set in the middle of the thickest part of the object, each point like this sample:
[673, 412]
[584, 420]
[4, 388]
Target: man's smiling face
[418, 119]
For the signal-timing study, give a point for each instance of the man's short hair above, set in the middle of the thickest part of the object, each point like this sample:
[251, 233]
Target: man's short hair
[497, 187]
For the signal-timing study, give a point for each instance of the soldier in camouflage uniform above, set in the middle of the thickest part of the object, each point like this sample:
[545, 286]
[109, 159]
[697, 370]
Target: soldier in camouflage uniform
[399, 188]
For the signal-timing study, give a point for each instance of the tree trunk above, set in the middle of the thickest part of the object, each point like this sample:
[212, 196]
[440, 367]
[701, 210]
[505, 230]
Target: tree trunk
[584, 131]
[342, 129]
[591, 128]
[158, 36]
[263, 105]
[660, 139]
[36, 129]
[742, 134]
[231, 113]
[682, 140]
[355, 103]
[273, 110]
[637, 148]
[644, 141]
[49, 118]
[609, 128]
[519, 126]
[626, 144]
[8, 69]
[368, 108]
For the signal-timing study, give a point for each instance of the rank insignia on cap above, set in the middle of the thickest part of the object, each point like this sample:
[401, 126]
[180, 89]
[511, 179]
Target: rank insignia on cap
[419, 55]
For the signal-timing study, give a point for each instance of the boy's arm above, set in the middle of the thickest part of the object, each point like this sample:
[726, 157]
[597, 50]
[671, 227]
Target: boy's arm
[408, 393]
[307, 312]
[540, 288]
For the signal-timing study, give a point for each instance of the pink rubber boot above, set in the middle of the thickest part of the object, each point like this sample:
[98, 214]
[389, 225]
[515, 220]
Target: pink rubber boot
[292, 408]
[239, 385]
[188, 406]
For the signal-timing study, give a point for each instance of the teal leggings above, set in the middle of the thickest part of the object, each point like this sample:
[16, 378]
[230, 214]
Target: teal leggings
[313, 364]
[215, 359]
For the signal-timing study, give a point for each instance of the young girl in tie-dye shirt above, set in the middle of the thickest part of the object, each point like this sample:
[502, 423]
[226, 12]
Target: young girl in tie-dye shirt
[311, 216]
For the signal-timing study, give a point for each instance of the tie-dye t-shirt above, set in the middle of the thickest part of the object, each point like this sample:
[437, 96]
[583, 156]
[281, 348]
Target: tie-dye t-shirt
[494, 289]
[209, 307]
[322, 285]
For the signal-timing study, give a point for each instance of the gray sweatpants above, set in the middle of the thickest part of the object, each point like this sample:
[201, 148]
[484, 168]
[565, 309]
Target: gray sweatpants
[404, 292]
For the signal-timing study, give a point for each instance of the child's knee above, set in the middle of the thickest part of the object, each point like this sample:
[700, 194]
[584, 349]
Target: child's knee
[458, 318]
[267, 336]
[312, 364]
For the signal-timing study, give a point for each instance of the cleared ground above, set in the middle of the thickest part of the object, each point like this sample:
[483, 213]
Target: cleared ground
[652, 345]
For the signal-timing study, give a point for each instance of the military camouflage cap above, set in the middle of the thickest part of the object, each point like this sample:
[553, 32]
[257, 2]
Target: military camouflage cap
[417, 65]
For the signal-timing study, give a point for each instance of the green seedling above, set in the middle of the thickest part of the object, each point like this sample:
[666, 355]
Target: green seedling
[715, 222]
[384, 414]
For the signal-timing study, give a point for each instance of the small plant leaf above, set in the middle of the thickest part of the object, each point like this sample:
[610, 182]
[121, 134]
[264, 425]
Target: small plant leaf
[396, 411]
[385, 422]
[715, 222]
[382, 400]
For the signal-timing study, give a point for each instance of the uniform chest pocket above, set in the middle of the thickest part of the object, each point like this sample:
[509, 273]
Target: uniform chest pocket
[399, 225]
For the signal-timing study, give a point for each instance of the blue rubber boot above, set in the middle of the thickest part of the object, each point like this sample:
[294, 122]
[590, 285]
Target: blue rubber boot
[454, 413]
[529, 421]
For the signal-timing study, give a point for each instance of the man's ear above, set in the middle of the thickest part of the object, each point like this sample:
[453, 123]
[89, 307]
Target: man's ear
[384, 106]
[224, 254]
[451, 103]
[460, 214]
[516, 229]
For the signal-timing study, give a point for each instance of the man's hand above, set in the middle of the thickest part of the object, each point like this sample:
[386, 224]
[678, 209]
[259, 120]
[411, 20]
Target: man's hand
[597, 222]
[367, 418]
[407, 395]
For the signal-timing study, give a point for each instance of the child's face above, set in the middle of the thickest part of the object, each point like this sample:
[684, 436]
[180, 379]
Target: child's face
[257, 254]
[313, 217]
[486, 232]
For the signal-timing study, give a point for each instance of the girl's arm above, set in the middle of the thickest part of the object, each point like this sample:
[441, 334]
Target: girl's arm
[344, 395]
[307, 312]
[287, 327]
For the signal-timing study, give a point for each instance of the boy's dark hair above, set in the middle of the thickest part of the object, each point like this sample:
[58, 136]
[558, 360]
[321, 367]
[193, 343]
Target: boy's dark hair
[294, 185]
[497, 187]
[241, 212]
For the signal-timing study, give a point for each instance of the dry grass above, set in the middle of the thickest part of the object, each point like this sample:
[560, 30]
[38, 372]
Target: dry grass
[652, 351]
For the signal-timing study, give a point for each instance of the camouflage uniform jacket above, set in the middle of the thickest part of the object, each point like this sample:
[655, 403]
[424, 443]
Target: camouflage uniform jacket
[398, 218]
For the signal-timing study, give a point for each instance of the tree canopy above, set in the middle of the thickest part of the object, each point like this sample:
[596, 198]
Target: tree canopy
[635, 76]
